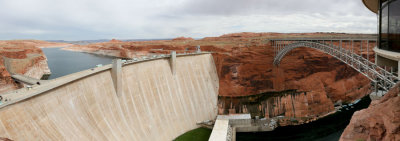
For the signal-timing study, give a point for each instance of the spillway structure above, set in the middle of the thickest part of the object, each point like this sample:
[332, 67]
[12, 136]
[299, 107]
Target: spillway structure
[148, 99]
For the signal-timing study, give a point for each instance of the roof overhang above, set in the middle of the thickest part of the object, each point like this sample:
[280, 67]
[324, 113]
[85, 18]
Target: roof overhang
[372, 5]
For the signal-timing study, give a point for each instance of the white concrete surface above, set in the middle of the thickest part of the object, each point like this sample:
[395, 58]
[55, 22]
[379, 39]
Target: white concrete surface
[154, 105]
[390, 58]
[220, 130]
[116, 75]
[234, 116]
[237, 119]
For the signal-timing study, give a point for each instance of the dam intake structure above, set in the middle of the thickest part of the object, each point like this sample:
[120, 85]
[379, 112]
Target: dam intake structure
[27, 80]
[138, 99]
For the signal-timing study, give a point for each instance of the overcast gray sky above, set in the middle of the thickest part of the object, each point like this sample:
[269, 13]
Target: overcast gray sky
[150, 19]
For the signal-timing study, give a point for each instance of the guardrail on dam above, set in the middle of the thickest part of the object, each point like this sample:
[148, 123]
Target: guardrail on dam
[153, 103]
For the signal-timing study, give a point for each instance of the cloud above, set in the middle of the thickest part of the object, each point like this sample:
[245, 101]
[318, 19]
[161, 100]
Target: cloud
[271, 7]
[138, 19]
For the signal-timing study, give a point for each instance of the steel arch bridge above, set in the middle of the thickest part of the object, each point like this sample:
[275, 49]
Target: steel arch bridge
[380, 77]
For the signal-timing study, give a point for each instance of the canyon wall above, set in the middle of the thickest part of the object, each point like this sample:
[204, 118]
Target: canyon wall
[154, 104]
[380, 121]
[291, 107]
[22, 57]
[244, 66]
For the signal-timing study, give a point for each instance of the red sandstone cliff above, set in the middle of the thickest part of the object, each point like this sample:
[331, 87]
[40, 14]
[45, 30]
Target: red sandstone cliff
[244, 65]
[380, 121]
[22, 57]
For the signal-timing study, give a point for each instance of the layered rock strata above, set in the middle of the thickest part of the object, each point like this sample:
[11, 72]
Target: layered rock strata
[22, 57]
[380, 121]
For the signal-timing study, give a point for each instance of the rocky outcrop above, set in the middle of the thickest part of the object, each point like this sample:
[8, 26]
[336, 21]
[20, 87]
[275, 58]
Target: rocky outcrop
[6, 82]
[380, 121]
[115, 41]
[22, 57]
[244, 65]
[5, 139]
[182, 39]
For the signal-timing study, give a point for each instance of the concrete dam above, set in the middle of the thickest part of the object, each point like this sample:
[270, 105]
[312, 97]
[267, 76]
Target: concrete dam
[152, 99]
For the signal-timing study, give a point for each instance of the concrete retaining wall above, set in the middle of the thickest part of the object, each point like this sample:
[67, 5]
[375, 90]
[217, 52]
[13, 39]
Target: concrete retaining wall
[154, 104]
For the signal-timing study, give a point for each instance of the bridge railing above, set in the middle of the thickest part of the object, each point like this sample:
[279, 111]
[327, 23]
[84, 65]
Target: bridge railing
[354, 52]
[353, 45]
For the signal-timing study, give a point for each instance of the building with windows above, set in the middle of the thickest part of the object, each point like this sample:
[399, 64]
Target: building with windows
[387, 52]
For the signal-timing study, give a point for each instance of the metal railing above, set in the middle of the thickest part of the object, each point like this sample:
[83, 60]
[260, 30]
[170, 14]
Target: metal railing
[345, 51]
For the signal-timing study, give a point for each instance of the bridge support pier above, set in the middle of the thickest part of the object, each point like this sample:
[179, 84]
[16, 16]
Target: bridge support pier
[116, 74]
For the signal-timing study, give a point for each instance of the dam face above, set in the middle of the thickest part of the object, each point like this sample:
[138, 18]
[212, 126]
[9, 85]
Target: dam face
[154, 104]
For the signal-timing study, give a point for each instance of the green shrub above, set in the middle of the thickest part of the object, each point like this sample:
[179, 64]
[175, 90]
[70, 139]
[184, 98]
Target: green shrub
[199, 134]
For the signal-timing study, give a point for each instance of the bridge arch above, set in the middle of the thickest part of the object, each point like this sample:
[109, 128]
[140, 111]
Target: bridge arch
[380, 77]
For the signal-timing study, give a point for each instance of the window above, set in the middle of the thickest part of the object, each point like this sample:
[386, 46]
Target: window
[384, 19]
[389, 38]
[394, 25]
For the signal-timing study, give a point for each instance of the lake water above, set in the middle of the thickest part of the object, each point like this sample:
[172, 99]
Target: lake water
[62, 62]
